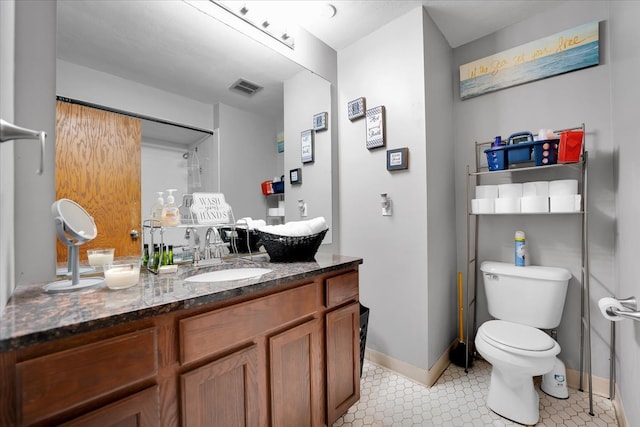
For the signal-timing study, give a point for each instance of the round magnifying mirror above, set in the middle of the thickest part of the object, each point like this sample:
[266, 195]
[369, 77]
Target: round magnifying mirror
[75, 227]
[77, 222]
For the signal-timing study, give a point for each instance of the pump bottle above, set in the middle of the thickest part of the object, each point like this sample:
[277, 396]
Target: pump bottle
[170, 212]
[156, 211]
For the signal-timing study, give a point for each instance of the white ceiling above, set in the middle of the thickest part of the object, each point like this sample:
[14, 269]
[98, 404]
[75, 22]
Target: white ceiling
[171, 45]
[460, 21]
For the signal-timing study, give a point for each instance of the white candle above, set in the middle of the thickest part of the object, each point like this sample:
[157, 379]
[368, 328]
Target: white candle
[121, 277]
[98, 259]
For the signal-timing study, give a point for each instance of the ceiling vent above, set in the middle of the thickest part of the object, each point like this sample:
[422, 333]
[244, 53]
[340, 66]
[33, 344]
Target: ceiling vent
[245, 87]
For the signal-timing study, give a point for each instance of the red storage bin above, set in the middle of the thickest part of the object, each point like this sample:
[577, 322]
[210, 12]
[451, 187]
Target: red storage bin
[570, 146]
[267, 188]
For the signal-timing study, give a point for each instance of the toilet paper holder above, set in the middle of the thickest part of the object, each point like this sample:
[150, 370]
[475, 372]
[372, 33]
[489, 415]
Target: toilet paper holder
[631, 304]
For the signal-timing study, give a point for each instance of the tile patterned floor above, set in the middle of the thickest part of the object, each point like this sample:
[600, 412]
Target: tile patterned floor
[458, 399]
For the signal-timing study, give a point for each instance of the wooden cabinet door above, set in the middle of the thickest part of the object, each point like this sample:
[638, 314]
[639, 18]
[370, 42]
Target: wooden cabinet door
[296, 381]
[343, 360]
[98, 166]
[140, 410]
[222, 393]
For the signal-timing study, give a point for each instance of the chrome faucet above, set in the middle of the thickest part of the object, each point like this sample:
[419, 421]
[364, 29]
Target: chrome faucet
[216, 243]
[208, 243]
[196, 241]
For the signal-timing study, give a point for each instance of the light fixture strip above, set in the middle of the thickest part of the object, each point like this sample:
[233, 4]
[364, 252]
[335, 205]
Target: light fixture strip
[286, 38]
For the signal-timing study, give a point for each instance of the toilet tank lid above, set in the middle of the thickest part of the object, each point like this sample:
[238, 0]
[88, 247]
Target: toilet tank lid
[530, 271]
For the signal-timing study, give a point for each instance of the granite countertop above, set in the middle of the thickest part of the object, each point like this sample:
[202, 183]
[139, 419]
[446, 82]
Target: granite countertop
[34, 316]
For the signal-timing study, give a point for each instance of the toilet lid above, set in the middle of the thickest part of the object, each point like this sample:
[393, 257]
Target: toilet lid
[517, 336]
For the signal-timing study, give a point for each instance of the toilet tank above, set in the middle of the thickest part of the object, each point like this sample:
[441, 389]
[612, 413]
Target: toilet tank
[531, 295]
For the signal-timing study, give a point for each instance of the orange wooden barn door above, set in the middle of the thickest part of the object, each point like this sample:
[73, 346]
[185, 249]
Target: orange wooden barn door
[98, 166]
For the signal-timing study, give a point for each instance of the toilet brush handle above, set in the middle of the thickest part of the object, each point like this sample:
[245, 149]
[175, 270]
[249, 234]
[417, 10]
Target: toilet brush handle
[460, 308]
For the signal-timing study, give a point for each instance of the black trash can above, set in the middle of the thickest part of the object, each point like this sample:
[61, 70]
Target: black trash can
[364, 322]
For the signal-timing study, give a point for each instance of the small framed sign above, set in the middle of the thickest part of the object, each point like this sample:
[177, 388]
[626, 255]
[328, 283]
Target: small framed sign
[356, 108]
[210, 208]
[295, 176]
[398, 159]
[320, 121]
[375, 127]
[306, 146]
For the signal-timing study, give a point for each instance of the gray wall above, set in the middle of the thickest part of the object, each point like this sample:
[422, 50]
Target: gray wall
[557, 102]
[35, 83]
[441, 243]
[399, 281]
[625, 63]
[7, 190]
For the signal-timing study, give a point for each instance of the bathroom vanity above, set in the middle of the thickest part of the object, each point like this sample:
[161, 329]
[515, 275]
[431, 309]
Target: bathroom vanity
[281, 349]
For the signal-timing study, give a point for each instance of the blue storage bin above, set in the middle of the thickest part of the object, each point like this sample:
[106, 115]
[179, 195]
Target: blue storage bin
[519, 147]
[496, 158]
[278, 187]
[546, 152]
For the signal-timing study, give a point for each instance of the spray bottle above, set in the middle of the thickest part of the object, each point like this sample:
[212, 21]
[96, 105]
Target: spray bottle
[520, 249]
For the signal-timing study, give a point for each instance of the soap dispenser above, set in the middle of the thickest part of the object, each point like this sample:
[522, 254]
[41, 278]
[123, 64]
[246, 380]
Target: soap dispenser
[170, 213]
[156, 211]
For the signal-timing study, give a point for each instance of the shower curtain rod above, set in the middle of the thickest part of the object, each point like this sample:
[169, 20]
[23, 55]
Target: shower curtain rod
[130, 114]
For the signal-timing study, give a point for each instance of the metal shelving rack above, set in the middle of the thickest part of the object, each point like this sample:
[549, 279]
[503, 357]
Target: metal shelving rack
[473, 179]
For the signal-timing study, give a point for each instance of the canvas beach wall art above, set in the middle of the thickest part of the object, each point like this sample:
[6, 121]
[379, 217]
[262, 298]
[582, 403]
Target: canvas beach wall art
[560, 53]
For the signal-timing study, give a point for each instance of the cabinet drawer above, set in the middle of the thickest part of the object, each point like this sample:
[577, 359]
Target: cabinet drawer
[342, 288]
[56, 382]
[210, 333]
[140, 410]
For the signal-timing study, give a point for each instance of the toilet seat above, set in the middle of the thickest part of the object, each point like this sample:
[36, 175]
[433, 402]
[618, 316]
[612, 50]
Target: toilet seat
[517, 338]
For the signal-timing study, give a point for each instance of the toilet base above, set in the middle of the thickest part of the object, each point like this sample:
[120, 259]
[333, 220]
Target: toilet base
[513, 396]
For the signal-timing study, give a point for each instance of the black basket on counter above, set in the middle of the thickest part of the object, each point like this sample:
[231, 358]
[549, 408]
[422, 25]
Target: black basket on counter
[240, 239]
[291, 248]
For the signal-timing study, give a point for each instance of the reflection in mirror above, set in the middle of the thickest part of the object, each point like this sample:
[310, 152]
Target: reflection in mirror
[169, 61]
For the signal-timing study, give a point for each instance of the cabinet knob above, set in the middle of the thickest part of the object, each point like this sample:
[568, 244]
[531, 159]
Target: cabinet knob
[134, 234]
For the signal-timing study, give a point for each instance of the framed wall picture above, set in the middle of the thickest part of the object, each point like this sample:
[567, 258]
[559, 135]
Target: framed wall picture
[356, 108]
[306, 146]
[398, 159]
[295, 176]
[375, 127]
[320, 121]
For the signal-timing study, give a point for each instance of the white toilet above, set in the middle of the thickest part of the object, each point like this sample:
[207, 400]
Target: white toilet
[523, 300]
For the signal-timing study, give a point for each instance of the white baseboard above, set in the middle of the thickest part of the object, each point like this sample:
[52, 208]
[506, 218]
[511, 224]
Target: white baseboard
[428, 377]
[621, 417]
[600, 384]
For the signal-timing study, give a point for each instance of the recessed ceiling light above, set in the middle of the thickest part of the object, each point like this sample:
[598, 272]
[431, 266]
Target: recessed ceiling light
[330, 10]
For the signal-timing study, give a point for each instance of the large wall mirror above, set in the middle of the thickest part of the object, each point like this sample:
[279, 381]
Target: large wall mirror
[172, 67]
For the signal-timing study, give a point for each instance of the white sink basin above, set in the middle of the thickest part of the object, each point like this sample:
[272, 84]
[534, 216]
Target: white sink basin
[229, 275]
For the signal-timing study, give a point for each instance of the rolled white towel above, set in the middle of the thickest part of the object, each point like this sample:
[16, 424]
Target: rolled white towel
[297, 228]
[252, 224]
[317, 225]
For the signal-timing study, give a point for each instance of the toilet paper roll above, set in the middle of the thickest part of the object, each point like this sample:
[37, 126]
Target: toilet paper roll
[509, 191]
[569, 203]
[486, 192]
[507, 205]
[609, 302]
[535, 189]
[563, 187]
[482, 206]
[534, 204]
